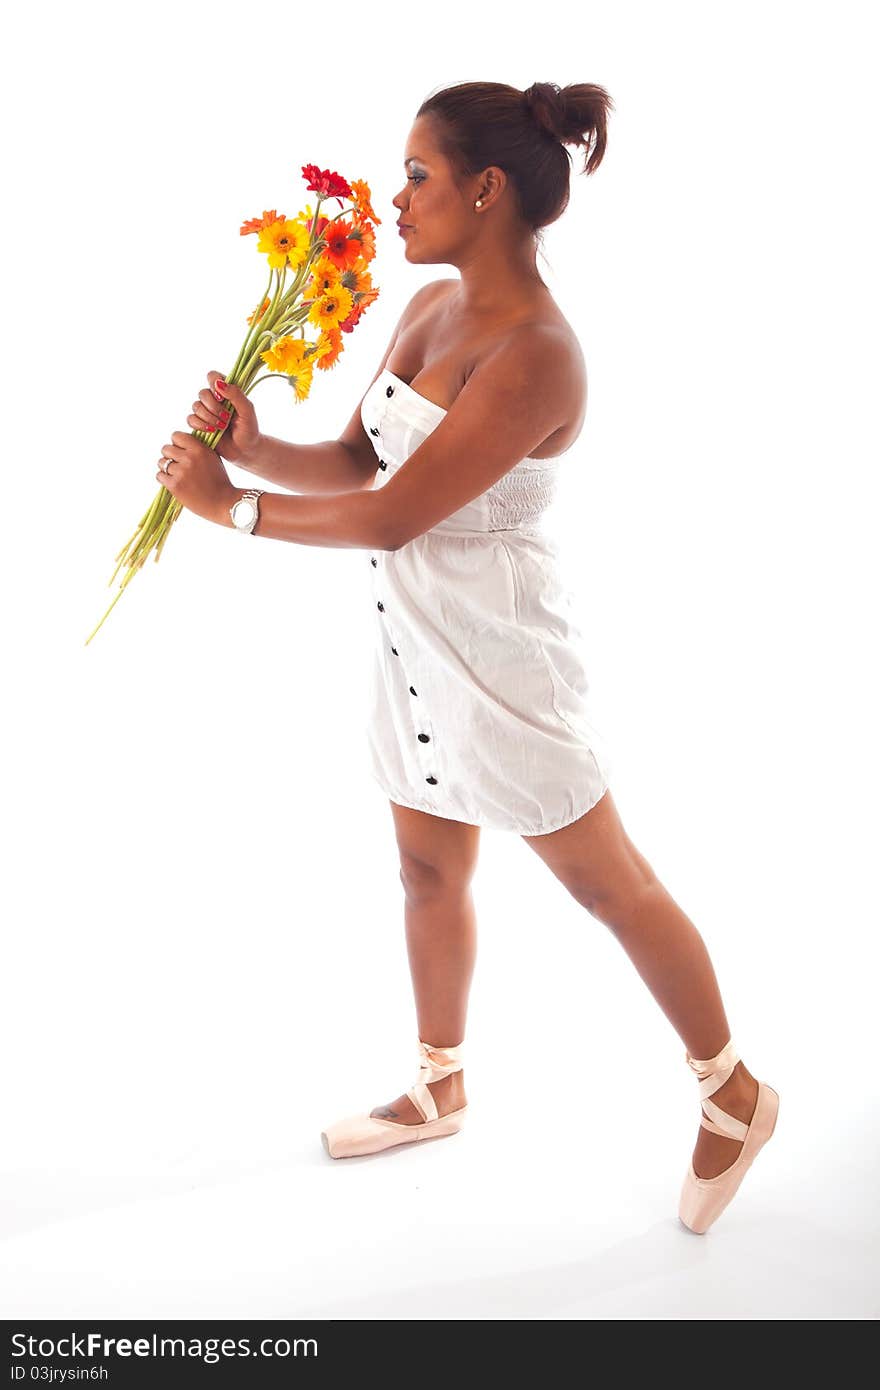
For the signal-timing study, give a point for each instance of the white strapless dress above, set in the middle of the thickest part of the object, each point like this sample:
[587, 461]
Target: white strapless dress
[478, 705]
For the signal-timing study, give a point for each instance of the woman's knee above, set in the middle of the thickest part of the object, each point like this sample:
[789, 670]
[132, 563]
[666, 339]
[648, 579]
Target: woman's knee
[426, 879]
[438, 857]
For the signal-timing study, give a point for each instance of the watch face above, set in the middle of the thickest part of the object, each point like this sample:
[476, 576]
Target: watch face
[244, 512]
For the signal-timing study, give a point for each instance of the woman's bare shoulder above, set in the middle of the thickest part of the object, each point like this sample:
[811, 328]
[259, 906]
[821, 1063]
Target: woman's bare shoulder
[430, 296]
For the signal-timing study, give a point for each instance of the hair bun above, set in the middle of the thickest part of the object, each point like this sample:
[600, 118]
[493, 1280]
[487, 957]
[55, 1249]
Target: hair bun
[545, 102]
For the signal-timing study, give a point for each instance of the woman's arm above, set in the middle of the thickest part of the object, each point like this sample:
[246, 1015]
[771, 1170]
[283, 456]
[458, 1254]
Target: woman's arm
[330, 466]
[344, 519]
[512, 401]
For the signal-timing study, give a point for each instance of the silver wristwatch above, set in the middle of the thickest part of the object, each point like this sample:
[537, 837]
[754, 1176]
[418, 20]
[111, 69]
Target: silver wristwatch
[246, 511]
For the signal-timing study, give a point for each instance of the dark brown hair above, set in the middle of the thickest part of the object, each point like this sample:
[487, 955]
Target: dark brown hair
[525, 134]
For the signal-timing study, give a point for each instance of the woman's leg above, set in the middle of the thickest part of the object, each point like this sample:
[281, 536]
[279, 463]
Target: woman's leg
[437, 862]
[600, 866]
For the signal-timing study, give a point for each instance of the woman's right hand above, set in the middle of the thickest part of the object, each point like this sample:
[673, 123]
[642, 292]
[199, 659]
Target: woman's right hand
[229, 409]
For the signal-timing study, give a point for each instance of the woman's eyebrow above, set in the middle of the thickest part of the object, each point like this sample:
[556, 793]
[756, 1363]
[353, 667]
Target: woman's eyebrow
[412, 157]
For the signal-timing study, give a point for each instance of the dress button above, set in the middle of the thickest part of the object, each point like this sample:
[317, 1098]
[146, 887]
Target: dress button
[389, 391]
[432, 780]
[373, 430]
[373, 560]
[423, 738]
[412, 691]
[395, 651]
[383, 465]
[381, 607]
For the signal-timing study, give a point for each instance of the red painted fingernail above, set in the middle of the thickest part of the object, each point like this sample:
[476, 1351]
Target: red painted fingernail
[220, 385]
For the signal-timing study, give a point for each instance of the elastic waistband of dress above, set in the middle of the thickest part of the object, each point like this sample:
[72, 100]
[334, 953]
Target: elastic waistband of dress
[526, 528]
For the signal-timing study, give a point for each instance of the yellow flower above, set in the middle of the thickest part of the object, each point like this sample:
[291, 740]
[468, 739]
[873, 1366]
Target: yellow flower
[282, 241]
[325, 344]
[301, 380]
[329, 309]
[285, 355]
[324, 277]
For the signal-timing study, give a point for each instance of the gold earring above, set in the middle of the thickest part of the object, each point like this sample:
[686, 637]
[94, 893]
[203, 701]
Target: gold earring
[478, 203]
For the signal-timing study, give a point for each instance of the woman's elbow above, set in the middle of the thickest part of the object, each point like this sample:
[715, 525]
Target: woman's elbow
[384, 538]
[394, 533]
[396, 527]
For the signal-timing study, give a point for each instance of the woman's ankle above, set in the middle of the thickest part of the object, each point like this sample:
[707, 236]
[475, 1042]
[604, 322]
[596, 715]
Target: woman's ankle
[448, 1092]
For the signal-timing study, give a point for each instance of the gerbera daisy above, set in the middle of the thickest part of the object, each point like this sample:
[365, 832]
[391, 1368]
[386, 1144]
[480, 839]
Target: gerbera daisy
[328, 309]
[342, 248]
[259, 312]
[285, 355]
[256, 224]
[364, 234]
[329, 349]
[323, 181]
[361, 196]
[282, 241]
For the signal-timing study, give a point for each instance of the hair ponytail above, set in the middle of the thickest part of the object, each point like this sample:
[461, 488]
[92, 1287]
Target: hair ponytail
[525, 134]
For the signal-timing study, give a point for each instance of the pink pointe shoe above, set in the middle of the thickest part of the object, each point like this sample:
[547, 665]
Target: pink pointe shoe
[704, 1199]
[366, 1134]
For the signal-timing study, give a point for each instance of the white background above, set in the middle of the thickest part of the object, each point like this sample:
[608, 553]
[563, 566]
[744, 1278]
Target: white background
[203, 954]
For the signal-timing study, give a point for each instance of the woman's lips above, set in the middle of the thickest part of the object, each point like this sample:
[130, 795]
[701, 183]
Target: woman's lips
[404, 228]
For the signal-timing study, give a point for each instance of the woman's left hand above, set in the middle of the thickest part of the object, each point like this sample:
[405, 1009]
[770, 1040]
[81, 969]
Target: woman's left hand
[197, 478]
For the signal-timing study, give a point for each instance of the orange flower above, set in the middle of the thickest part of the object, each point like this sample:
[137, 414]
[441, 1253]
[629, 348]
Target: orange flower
[364, 233]
[329, 349]
[360, 194]
[259, 312]
[358, 280]
[347, 325]
[366, 299]
[256, 224]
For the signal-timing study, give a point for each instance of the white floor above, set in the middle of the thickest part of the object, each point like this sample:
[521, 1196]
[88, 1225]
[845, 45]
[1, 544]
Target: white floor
[469, 1227]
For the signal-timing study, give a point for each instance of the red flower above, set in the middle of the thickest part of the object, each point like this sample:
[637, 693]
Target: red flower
[343, 249]
[323, 181]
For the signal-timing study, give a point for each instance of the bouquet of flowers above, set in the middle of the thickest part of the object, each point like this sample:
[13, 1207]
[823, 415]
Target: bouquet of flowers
[330, 288]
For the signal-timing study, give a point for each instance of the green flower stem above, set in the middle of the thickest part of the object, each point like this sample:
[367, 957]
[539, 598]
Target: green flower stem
[112, 605]
[141, 534]
[173, 514]
[243, 349]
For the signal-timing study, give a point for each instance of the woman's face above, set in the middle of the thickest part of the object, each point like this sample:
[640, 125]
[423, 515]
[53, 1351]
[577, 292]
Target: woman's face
[430, 203]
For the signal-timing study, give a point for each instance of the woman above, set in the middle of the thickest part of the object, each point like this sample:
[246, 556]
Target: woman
[479, 713]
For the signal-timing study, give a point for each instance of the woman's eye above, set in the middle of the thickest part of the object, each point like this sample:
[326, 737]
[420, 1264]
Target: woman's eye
[416, 178]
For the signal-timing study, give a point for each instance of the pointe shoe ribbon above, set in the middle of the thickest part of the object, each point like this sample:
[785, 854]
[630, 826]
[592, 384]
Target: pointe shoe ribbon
[703, 1199]
[436, 1062]
[366, 1134]
[713, 1074]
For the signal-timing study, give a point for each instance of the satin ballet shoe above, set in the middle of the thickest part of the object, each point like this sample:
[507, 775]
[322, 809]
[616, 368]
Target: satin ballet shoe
[366, 1134]
[704, 1199]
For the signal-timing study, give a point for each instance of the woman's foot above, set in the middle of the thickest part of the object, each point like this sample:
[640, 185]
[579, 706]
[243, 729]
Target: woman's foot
[448, 1095]
[715, 1152]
